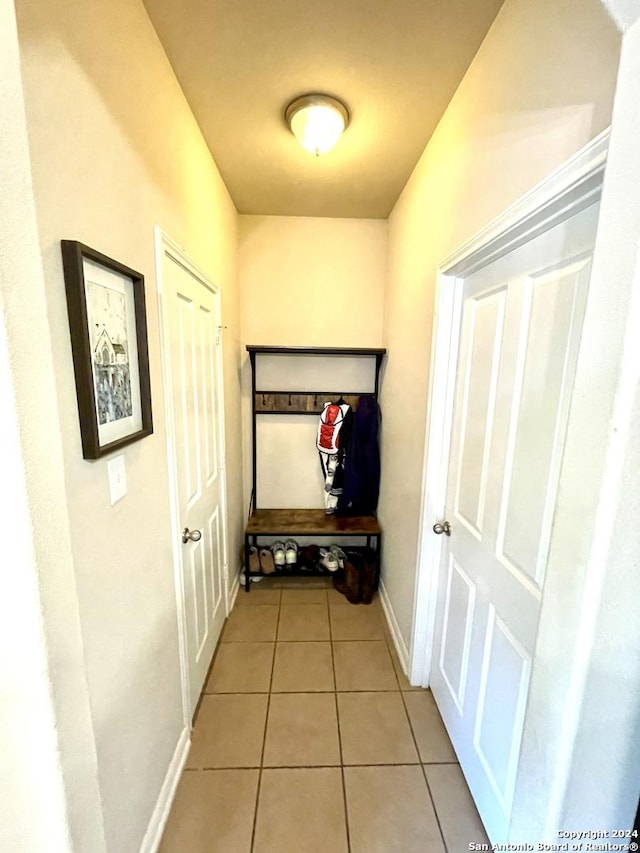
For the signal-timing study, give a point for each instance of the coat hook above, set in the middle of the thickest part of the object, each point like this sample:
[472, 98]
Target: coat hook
[264, 400]
[315, 401]
[289, 399]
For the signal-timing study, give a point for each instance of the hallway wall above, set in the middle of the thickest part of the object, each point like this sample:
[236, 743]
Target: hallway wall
[115, 150]
[306, 282]
[49, 796]
[540, 87]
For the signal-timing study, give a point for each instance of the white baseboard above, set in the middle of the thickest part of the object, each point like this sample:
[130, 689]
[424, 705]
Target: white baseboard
[394, 628]
[233, 592]
[153, 835]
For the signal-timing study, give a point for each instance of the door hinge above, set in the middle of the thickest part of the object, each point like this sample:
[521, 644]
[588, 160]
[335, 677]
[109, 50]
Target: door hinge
[222, 463]
[219, 334]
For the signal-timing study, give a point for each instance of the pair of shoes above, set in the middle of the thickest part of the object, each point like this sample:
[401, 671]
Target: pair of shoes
[328, 560]
[259, 561]
[332, 558]
[285, 554]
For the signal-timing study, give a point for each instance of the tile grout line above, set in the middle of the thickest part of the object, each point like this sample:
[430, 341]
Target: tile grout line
[435, 810]
[315, 692]
[204, 692]
[266, 723]
[247, 642]
[302, 766]
[335, 696]
[422, 767]
[406, 712]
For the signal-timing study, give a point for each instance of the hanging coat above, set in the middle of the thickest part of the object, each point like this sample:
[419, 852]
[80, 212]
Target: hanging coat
[361, 486]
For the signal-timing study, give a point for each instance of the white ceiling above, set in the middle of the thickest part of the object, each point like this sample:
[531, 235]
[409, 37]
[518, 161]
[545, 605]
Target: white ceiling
[395, 63]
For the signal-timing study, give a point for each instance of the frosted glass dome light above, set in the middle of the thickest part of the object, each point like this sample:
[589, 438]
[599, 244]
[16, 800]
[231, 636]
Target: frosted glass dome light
[317, 122]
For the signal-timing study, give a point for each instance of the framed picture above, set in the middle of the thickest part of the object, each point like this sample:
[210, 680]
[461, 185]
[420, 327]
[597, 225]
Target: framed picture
[108, 325]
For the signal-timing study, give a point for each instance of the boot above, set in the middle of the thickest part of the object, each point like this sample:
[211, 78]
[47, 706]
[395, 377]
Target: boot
[347, 582]
[369, 575]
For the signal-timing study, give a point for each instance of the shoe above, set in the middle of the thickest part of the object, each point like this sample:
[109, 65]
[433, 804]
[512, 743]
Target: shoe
[328, 560]
[369, 574]
[254, 559]
[266, 561]
[339, 554]
[279, 558]
[347, 581]
[291, 553]
[308, 557]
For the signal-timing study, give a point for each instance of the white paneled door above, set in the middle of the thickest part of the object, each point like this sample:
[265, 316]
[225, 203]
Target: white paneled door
[192, 323]
[521, 327]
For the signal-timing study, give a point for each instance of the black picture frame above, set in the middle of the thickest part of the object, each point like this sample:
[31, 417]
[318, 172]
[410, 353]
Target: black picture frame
[108, 328]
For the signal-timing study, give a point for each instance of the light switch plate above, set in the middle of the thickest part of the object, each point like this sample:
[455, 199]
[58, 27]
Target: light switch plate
[117, 479]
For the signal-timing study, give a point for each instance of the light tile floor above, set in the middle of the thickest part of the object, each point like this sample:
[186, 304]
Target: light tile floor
[309, 739]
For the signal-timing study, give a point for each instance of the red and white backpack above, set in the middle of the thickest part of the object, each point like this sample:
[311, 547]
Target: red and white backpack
[331, 422]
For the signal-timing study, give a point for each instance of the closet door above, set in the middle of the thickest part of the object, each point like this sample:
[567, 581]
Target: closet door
[192, 322]
[521, 330]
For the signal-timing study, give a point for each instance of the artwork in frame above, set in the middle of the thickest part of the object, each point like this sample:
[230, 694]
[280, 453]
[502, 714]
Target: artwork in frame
[108, 326]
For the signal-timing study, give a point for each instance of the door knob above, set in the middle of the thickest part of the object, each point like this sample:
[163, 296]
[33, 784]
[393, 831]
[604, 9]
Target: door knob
[443, 527]
[193, 535]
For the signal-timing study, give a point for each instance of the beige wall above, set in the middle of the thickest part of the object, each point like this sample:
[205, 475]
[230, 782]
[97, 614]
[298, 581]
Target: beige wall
[540, 87]
[306, 282]
[49, 797]
[312, 282]
[115, 151]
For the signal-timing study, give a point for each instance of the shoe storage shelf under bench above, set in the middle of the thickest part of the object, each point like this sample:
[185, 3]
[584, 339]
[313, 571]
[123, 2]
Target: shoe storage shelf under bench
[307, 522]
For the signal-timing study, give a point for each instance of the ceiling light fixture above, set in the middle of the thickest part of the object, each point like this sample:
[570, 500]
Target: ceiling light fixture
[317, 121]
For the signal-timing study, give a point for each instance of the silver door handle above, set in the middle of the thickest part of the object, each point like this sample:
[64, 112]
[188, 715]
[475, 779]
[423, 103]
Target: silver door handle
[193, 535]
[443, 527]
